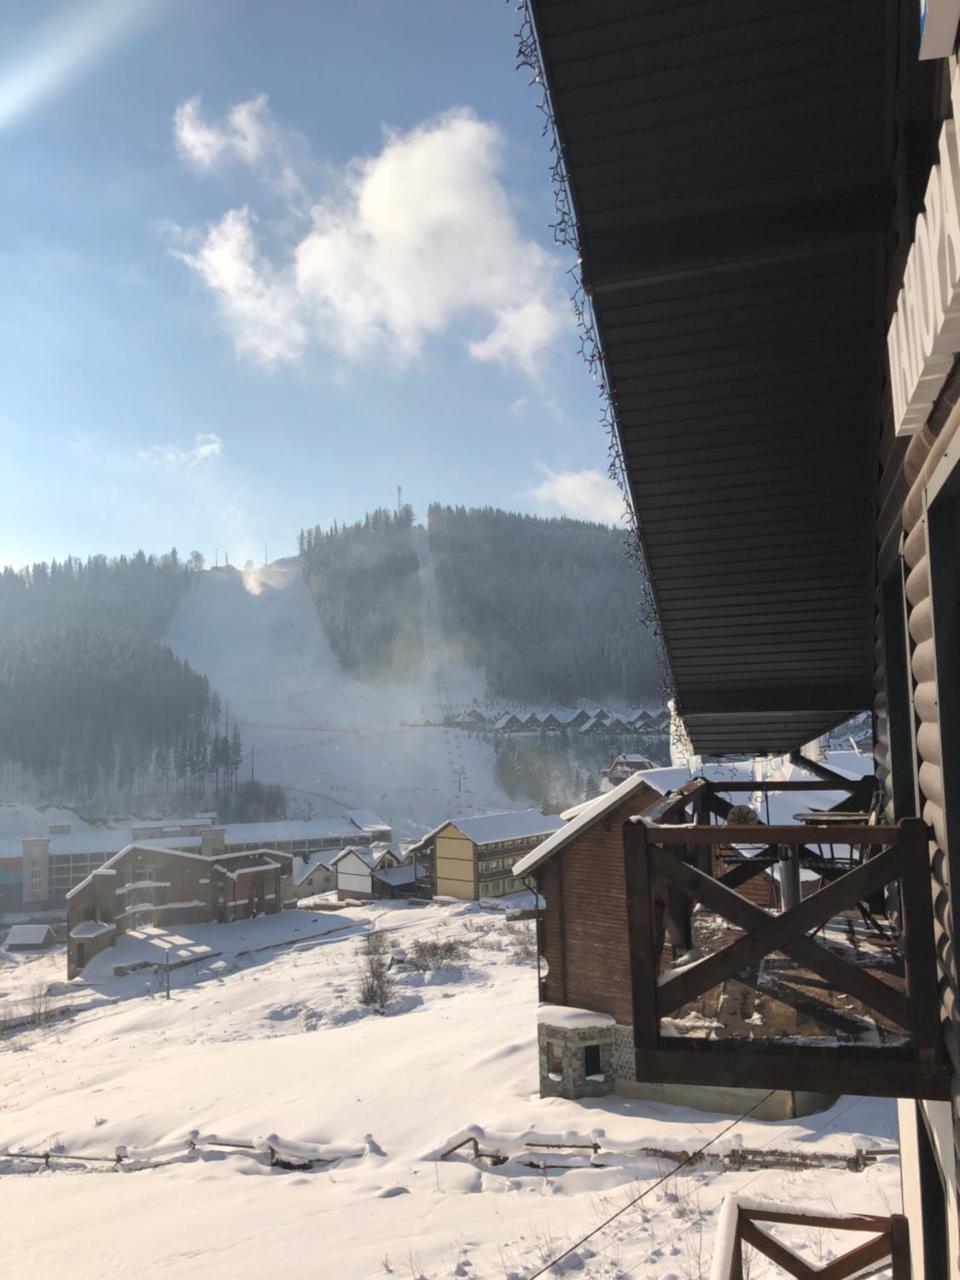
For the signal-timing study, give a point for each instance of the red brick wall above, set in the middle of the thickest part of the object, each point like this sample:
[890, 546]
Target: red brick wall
[585, 940]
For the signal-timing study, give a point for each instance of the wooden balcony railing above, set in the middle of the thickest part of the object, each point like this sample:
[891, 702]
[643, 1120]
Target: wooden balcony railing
[888, 1243]
[834, 992]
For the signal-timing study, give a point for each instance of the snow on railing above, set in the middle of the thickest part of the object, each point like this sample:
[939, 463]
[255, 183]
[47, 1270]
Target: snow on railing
[281, 1153]
[558, 1151]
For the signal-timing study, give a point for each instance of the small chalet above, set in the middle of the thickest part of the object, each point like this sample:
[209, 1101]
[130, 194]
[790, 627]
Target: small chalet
[312, 875]
[508, 723]
[622, 766]
[579, 720]
[29, 937]
[380, 871]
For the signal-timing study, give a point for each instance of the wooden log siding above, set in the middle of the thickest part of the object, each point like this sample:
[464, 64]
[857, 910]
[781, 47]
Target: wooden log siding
[585, 935]
[925, 451]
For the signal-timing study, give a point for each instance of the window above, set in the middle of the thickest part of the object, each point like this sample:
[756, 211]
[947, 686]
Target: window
[592, 1060]
[554, 1058]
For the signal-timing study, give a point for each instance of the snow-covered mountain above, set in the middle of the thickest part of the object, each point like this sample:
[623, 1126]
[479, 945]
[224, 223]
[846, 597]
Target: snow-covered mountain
[332, 740]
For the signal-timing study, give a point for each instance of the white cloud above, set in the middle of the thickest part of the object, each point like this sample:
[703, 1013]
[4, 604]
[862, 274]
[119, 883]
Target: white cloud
[259, 305]
[586, 495]
[520, 336]
[203, 145]
[206, 445]
[416, 241]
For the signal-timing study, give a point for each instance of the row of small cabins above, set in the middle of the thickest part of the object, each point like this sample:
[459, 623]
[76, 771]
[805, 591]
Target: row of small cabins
[601, 721]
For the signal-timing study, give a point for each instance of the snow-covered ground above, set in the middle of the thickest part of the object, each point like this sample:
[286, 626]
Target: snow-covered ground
[334, 741]
[276, 1042]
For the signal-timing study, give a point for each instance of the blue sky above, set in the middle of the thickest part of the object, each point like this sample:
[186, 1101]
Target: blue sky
[263, 262]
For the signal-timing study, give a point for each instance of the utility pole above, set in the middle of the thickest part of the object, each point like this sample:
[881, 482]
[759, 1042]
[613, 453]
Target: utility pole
[253, 758]
[264, 555]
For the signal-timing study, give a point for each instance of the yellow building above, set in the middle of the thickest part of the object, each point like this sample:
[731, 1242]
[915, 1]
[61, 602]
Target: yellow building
[474, 857]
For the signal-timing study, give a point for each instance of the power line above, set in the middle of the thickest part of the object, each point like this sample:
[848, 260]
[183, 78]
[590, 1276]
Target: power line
[653, 1186]
[777, 1136]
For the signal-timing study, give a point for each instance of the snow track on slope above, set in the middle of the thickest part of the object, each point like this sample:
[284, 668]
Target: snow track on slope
[315, 729]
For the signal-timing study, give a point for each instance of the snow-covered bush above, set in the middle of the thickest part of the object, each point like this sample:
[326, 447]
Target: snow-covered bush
[377, 983]
[434, 953]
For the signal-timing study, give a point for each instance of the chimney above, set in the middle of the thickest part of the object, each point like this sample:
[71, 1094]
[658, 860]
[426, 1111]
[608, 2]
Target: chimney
[212, 840]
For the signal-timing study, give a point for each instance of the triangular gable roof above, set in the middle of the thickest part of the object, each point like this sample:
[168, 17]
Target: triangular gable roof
[139, 847]
[635, 787]
[362, 852]
[513, 824]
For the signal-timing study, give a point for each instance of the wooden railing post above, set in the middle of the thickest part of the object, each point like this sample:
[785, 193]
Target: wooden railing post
[899, 1247]
[919, 948]
[642, 931]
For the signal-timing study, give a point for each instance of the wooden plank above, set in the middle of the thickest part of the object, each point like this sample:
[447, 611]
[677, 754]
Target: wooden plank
[642, 932]
[766, 933]
[746, 1064]
[854, 1262]
[742, 872]
[900, 1246]
[814, 784]
[775, 1251]
[829, 1221]
[916, 923]
[876, 994]
[794, 836]
[814, 911]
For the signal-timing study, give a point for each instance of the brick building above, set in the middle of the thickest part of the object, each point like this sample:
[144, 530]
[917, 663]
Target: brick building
[146, 884]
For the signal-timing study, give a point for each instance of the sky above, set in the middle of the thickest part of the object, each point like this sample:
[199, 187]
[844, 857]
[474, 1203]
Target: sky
[264, 263]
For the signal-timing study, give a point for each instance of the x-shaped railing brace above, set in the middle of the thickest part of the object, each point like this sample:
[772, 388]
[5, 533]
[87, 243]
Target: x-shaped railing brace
[787, 933]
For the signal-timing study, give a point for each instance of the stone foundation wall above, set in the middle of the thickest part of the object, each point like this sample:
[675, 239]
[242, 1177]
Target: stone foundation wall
[618, 1067]
[573, 1080]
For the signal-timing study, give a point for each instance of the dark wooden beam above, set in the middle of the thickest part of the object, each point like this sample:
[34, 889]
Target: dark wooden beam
[757, 833]
[746, 1064]
[641, 935]
[766, 933]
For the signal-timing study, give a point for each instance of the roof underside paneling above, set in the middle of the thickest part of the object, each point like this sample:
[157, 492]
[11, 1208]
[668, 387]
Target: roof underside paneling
[730, 169]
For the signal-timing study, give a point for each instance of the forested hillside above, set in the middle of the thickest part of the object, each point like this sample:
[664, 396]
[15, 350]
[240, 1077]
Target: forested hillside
[550, 608]
[364, 579]
[90, 700]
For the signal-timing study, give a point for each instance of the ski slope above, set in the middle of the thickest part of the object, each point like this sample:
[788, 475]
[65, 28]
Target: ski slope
[333, 741]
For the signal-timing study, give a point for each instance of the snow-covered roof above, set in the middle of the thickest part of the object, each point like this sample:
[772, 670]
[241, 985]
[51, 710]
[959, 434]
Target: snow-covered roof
[91, 929]
[367, 820]
[395, 875]
[266, 865]
[566, 1016]
[491, 828]
[778, 807]
[303, 868]
[108, 840]
[585, 815]
[28, 935]
[360, 851]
